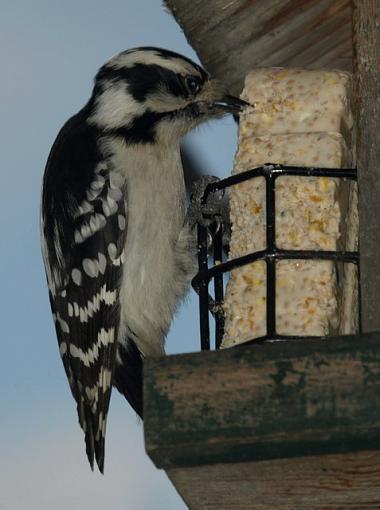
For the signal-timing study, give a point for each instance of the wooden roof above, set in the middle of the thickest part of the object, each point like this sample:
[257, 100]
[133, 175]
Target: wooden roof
[233, 36]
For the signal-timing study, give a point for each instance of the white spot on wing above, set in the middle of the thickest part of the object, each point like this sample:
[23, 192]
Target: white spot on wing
[121, 221]
[109, 206]
[116, 180]
[97, 222]
[62, 324]
[102, 262]
[115, 193]
[98, 183]
[83, 317]
[91, 194]
[110, 297]
[117, 261]
[112, 204]
[85, 208]
[112, 251]
[90, 267]
[100, 426]
[78, 237]
[90, 395]
[106, 209]
[85, 231]
[90, 309]
[103, 296]
[105, 337]
[76, 276]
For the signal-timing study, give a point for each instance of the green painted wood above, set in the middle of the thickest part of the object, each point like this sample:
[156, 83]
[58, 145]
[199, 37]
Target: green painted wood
[266, 401]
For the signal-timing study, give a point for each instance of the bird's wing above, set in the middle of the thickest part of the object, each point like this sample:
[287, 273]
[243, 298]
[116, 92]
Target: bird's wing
[84, 228]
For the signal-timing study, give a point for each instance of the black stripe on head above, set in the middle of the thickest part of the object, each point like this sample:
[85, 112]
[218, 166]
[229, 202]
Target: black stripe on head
[142, 129]
[142, 80]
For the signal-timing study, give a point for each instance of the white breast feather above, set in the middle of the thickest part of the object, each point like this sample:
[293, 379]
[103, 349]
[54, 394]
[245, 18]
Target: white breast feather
[158, 258]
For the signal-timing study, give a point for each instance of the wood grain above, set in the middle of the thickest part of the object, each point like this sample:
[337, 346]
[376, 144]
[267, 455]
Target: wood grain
[367, 80]
[329, 482]
[233, 36]
[258, 402]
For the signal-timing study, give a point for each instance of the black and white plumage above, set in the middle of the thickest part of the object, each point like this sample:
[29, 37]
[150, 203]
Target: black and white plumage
[117, 248]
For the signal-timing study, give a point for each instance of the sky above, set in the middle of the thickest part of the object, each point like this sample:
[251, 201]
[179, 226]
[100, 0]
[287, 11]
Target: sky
[50, 51]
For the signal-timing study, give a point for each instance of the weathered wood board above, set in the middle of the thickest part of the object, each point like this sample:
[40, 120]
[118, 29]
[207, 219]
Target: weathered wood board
[331, 482]
[233, 36]
[367, 80]
[258, 402]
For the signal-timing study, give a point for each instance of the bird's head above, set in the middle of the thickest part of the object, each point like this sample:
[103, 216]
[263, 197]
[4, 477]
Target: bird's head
[150, 94]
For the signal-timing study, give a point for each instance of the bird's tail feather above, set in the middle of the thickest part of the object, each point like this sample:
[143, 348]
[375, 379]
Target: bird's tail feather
[128, 380]
[94, 447]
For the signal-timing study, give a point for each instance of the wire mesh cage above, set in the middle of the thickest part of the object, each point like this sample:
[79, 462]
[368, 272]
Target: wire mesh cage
[213, 264]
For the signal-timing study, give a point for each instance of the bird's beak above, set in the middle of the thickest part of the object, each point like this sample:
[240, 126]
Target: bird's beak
[215, 100]
[229, 104]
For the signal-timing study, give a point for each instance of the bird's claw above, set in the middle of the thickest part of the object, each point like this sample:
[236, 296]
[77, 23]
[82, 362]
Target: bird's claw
[205, 210]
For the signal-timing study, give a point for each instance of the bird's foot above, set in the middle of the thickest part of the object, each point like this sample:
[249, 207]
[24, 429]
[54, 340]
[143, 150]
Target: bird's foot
[205, 209]
[210, 211]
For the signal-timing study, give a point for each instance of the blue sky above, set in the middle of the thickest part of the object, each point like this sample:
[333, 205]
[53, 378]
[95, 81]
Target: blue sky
[49, 53]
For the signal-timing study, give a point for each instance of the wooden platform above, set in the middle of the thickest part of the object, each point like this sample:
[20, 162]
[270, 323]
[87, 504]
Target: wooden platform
[216, 422]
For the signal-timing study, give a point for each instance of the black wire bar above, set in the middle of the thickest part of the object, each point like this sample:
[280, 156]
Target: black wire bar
[270, 255]
[202, 288]
[218, 286]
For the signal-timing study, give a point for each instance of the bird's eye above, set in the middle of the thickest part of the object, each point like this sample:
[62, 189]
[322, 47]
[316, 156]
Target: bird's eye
[193, 84]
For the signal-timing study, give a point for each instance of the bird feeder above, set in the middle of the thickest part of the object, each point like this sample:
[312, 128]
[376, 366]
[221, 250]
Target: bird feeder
[270, 256]
[282, 420]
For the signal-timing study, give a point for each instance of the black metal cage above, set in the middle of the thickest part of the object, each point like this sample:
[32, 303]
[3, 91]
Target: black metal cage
[211, 238]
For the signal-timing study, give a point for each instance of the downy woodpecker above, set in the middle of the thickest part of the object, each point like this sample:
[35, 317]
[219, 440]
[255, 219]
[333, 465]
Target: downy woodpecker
[117, 245]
